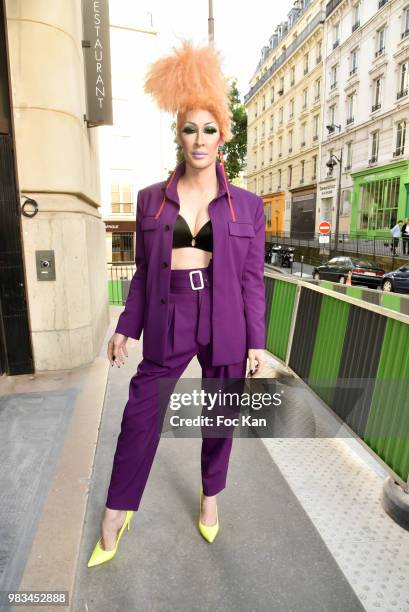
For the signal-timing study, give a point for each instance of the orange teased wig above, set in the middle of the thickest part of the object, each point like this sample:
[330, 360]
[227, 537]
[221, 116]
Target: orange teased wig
[191, 79]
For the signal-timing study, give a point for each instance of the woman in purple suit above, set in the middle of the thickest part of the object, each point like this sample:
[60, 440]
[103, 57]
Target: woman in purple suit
[198, 289]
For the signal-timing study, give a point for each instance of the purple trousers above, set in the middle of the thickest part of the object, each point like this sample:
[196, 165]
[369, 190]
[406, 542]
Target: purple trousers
[189, 334]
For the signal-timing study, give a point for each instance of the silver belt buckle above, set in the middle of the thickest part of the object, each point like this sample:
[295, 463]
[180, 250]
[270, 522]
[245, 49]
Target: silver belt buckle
[191, 279]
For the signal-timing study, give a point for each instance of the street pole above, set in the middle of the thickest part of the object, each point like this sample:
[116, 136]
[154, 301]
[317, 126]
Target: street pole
[211, 24]
[338, 201]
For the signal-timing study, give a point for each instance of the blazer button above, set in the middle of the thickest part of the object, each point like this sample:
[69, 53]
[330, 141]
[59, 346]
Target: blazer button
[164, 264]
[162, 301]
[167, 227]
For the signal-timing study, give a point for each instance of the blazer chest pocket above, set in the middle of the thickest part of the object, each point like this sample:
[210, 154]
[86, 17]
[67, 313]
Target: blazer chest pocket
[149, 223]
[242, 229]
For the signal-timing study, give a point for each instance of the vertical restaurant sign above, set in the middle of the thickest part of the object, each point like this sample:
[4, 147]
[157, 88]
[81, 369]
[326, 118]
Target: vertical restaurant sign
[97, 57]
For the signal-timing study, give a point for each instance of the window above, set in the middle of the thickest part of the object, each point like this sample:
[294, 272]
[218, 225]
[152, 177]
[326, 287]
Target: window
[262, 183]
[378, 204]
[271, 151]
[332, 114]
[374, 147]
[263, 103]
[271, 94]
[377, 89]
[291, 112]
[318, 52]
[290, 141]
[281, 90]
[280, 146]
[121, 197]
[302, 171]
[122, 247]
[290, 175]
[356, 16]
[314, 167]
[255, 135]
[403, 80]
[350, 108]
[334, 75]
[303, 134]
[349, 156]
[315, 120]
[304, 99]
[400, 138]
[317, 89]
[281, 115]
[306, 63]
[405, 32]
[262, 156]
[270, 181]
[380, 41]
[263, 130]
[335, 35]
[255, 108]
[279, 179]
[292, 75]
[353, 66]
[271, 122]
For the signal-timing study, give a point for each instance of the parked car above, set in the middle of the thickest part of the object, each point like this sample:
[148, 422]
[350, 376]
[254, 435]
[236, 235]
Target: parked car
[397, 280]
[363, 272]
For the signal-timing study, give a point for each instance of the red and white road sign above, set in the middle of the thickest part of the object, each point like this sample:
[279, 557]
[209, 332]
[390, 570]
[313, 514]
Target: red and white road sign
[324, 227]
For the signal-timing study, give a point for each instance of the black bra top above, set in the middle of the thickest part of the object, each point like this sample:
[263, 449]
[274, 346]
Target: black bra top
[182, 236]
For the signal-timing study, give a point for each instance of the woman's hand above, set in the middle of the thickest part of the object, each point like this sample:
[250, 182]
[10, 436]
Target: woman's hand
[117, 349]
[257, 360]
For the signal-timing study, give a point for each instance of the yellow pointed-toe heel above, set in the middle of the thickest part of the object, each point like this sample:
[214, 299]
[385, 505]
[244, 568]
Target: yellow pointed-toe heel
[99, 555]
[209, 532]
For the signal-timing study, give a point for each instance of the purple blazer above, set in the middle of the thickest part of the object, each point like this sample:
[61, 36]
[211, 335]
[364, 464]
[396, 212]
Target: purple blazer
[238, 316]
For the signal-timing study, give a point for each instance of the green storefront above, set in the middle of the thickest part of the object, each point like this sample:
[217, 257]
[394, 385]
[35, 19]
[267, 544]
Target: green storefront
[379, 199]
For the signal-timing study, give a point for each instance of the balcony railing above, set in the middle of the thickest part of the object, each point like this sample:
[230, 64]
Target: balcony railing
[303, 143]
[382, 3]
[404, 34]
[290, 149]
[317, 98]
[333, 85]
[356, 25]
[376, 106]
[315, 137]
[335, 45]
[353, 70]
[380, 51]
[347, 167]
[398, 151]
[319, 58]
[350, 120]
[373, 159]
[401, 94]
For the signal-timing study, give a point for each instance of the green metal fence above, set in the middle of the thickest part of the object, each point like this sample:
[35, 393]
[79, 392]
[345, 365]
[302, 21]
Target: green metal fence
[324, 335]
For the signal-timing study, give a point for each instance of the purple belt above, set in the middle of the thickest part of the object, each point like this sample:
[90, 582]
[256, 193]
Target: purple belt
[192, 279]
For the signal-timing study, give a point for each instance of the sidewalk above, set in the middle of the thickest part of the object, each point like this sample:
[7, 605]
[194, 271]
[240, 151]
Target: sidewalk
[302, 527]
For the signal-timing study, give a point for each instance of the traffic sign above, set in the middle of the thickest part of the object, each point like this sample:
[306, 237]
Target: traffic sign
[324, 227]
